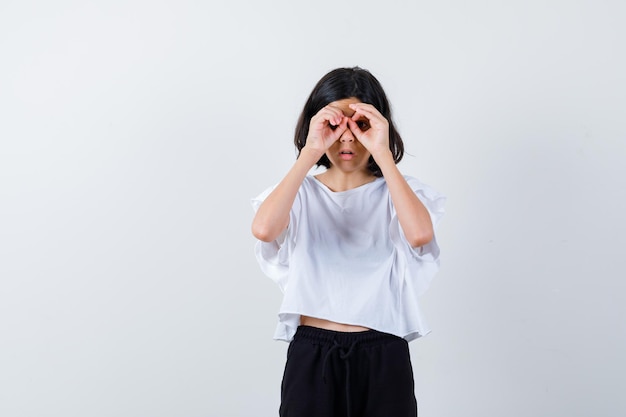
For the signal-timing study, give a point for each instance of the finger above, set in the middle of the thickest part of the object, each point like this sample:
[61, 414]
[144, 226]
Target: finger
[357, 115]
[370, 121]
[335, 115]
[368, 111]
[354, 127]
[364, 106]
[342, 127]
[328, 114]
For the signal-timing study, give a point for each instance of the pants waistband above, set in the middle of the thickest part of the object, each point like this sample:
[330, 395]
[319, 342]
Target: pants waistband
[364, 338]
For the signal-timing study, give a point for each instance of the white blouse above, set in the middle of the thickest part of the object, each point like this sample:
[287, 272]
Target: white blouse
[344, 258]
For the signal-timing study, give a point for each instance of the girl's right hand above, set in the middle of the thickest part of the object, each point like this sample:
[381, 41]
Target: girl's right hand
[326, 128]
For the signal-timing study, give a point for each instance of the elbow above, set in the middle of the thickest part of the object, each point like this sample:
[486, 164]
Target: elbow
[266, 232]
[268, 229]
[417, 240]
[262, 233]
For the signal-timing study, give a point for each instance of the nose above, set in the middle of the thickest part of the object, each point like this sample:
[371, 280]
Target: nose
[347, 136]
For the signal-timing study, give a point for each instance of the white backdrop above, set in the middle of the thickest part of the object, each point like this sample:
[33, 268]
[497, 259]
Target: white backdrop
[133, 134]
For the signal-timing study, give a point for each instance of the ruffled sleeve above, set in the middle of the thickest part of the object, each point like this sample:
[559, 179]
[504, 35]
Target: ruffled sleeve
[273, 257]
[419, 265]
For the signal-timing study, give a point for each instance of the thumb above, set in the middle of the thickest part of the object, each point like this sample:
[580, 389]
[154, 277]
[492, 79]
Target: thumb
[354, 127]
[340, 129]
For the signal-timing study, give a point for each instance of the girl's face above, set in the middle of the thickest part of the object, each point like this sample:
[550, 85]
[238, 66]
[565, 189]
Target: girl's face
[347, 154]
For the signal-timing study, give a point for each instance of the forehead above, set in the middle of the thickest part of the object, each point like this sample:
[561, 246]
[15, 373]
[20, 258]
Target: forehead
[344, 103]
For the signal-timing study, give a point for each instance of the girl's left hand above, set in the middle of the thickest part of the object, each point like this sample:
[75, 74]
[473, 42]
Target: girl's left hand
[373, 134]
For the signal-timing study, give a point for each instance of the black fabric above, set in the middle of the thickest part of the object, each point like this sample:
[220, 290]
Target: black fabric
[338, 374]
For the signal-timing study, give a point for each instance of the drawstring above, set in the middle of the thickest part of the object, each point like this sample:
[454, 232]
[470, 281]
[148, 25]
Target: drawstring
[343, 355]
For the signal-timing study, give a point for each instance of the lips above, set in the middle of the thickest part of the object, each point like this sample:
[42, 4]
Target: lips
[346, 154]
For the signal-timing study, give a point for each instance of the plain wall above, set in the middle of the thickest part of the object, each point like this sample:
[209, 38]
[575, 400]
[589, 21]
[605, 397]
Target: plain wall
[134, 133]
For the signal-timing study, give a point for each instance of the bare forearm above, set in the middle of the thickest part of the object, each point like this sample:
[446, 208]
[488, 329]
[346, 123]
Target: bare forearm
[412, 215]
[272, 217]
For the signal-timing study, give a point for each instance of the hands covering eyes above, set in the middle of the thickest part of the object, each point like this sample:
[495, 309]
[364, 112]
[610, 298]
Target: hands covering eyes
[366, 124]
[361, 124]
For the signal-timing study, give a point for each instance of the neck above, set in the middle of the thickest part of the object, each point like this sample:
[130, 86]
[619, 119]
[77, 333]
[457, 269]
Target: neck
[338, 180]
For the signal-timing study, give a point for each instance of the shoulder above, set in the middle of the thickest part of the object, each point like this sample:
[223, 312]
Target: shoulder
[309, 181]
[413, 182]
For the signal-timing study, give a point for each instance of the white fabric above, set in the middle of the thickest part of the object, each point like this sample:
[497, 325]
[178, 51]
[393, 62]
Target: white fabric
[344, 258]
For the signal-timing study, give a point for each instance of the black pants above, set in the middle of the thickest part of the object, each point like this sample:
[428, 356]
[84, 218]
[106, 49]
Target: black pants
[337, 374]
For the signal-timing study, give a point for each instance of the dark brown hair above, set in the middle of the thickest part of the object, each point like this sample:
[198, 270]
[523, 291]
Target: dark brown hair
[339, 84]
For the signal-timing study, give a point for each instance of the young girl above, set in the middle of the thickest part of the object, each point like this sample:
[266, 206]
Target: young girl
[352, 249]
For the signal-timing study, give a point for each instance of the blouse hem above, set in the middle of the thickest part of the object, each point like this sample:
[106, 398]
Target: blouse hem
[286, 329]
